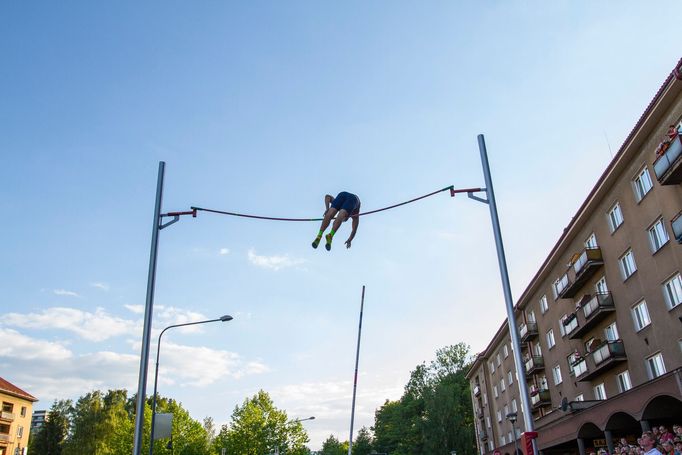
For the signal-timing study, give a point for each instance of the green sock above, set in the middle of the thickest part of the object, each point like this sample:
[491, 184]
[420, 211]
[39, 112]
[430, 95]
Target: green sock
[332, 232]
[319, 234]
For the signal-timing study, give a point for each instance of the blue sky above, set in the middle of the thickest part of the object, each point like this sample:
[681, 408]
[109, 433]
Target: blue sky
[264, 107]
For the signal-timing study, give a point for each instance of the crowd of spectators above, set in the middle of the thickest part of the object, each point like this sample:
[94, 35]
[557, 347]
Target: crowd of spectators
[659, 441]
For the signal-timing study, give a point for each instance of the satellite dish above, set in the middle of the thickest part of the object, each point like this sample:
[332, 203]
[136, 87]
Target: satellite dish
[564, 404]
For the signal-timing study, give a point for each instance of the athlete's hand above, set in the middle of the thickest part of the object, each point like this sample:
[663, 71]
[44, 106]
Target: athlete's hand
[347, 243]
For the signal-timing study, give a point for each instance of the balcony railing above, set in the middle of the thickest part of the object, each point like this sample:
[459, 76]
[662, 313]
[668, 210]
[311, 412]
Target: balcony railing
[533, 364]
[477, 390]
[667, 166]
[4, 437]
[594, 310]
[4, 415]
[570, 323]
[603, 358]
[528, 331]
[589, 261]
[540, 398]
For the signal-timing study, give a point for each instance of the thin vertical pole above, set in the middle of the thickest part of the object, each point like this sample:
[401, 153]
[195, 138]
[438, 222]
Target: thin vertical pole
[355, 378]
[501, 259]
[146, 334]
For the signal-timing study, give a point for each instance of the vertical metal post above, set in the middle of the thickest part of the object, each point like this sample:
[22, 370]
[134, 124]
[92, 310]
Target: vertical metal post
[511, 319]
[146, 334]
[355, 379]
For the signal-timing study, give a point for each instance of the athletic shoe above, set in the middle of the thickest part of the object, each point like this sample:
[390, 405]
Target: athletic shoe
[328, 245]
[316, 242]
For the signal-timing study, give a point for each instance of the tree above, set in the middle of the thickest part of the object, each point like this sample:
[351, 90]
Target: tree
[434, 414]
[332, 446]
[258, 427]
[363, 442]
[50, 438]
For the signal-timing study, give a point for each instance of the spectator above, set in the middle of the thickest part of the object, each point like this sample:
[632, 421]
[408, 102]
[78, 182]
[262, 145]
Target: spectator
[648, 443]
[664, 434]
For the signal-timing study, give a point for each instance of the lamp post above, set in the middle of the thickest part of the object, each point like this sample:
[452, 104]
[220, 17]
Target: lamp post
[512, 418]
[224, 318]
[302, 420]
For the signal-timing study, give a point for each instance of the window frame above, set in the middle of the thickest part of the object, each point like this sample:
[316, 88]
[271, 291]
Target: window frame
[636, 314]
[602, 392]
[656, 229]
[627, 263]
[637, 184]
[544, 304]
[623, 385]
[551, 341]
[667, 294]
[649, 364]
[556, 372]
[620, 218]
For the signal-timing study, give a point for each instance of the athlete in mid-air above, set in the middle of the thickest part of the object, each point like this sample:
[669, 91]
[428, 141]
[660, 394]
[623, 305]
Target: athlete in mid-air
[343, 206]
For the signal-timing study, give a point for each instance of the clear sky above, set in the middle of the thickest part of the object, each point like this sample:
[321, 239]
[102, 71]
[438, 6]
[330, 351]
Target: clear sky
[264, 107]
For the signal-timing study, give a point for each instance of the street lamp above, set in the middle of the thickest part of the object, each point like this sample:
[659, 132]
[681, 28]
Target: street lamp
[302, 420]
[224, 318]
[512, 418]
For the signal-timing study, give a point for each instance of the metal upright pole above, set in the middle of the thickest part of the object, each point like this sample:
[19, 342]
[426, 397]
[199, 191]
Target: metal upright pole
[146, 334]
[501, 259]
[355, 379]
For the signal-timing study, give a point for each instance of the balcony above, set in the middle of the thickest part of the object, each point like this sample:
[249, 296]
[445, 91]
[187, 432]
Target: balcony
[589, 261]
[480, 414]
[676, 224]
[533, 364]
[7, 416]
[528, 331]
[600, 360]
[484, 436]
[570, 324]
[594, 310]
[540, 398]
[667, 166]
[477, 390]
[5, 437]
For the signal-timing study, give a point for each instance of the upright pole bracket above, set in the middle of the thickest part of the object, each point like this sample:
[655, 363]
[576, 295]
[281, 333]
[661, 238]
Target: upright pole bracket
[471, 195]
[176, 217]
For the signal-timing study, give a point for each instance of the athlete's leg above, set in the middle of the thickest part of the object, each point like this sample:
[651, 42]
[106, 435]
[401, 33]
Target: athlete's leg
[340, 218]
[328, 215]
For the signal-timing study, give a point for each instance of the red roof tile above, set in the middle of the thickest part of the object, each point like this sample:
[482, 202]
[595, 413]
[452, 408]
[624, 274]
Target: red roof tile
[10, 389]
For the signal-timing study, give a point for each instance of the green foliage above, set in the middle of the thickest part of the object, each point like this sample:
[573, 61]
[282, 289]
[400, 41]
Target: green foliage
[258, 427]
[49, 440]
[434, 414]
[362, 445]
[332, 446]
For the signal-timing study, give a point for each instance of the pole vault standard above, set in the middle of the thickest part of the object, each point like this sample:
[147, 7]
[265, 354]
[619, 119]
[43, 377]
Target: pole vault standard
[355, 377]
[504, 274]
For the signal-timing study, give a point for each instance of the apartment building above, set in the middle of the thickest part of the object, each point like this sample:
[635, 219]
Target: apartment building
[600, 323]
[15, 418]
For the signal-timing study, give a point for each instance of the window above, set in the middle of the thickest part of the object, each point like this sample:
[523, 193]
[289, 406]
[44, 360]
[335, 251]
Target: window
[543, 304]
[537, 350]
[20, 431]
[611, 332]
[600, 392]
[550, 338]
[658, 236]
[495, 391]
[640, 315]
[502, 386]
[570, 360]
[591, 241]
[499, 416]
[487, 422]
[655, 365]
[627, 264]
[492, 367]
[642, 184]
[514, 407]
[580, 398]
[623, 381]
[615, 217]
[510, 378]
[518, 433]
[503, 439]
[509, 436]
[499, 359]
[485, 399]
[506, 409]
[601, 286]
[556, 374]
[562, 328]
[7, 407]
[23, 411]
[531, 316]
[505, 351]
[672, 291]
